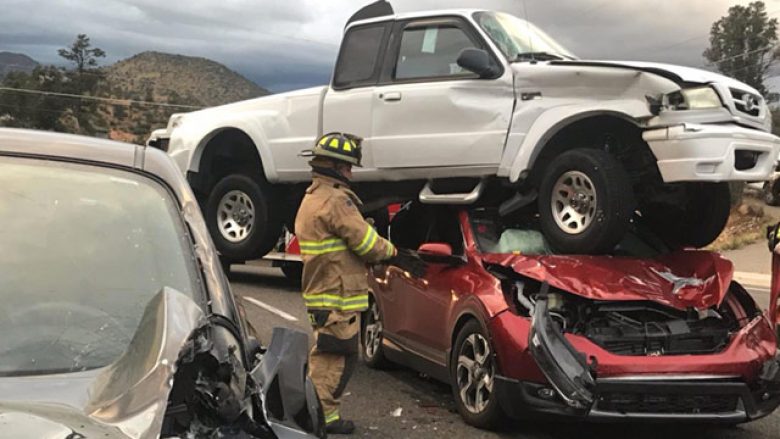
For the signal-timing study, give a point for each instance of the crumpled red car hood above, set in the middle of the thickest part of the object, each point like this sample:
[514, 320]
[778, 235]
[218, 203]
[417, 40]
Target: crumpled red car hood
[682, 279]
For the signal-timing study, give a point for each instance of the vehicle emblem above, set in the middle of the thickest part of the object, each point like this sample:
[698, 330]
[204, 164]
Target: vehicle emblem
[750, 102]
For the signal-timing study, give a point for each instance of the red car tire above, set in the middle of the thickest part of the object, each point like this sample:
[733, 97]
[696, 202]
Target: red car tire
[473, 370]
[371, 329]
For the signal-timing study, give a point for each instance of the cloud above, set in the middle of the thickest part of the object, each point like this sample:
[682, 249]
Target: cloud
[284, 45]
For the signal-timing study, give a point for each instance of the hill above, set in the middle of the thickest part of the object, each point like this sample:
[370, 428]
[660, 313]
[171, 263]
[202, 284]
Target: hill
[15, 62]
[138, 85]
[166, 77]
[170, 79]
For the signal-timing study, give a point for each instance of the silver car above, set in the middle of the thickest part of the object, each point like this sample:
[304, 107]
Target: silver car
[116, 319]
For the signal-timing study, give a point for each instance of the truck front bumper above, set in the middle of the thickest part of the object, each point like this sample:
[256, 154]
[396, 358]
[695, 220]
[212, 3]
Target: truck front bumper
[698, 152]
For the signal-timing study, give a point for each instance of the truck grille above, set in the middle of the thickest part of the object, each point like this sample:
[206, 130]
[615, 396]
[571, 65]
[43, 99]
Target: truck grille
[667, 403]
[746, 102]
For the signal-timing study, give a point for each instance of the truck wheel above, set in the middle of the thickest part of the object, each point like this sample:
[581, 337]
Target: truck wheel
[585, 202]
[239, 219]
[695, 220]
[772, 192]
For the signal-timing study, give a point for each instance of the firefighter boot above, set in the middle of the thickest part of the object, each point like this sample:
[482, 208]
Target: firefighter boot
[341, 426]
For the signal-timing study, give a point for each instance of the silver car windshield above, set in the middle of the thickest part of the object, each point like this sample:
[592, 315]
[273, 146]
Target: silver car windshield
[83, 249]
[517, 38]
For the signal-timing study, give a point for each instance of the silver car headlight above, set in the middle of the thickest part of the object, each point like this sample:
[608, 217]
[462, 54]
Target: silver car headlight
[697, 98]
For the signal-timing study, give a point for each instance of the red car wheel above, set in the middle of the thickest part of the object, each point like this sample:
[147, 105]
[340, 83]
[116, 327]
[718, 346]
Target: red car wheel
[371, 336]
[473, 378]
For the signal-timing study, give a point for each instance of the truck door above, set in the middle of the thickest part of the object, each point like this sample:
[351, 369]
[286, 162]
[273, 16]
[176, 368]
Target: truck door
[348, 104]
[428, 111]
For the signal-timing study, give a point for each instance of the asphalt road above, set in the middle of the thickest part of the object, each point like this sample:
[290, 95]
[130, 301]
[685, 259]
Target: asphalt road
[373, 398]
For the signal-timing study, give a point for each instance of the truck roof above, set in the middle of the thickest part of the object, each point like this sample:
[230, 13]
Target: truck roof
[417, 14]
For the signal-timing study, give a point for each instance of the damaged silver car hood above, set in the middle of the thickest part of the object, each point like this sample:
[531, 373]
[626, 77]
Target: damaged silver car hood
[682, 74]
[126, 399]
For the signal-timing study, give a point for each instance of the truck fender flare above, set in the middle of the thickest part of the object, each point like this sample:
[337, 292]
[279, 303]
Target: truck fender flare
[555, 119]
[254, 132]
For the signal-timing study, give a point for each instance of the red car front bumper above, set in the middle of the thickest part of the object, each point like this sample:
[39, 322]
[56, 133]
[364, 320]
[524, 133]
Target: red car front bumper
[738, 384]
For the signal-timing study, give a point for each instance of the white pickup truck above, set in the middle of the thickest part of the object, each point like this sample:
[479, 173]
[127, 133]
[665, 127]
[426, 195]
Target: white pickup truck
[465, 106]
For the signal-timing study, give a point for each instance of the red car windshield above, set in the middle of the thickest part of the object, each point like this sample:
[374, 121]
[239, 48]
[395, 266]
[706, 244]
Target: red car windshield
[521, 234]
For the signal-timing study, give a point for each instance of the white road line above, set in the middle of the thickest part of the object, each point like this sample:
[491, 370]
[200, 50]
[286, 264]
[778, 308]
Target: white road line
[752, 278]
[271, 309]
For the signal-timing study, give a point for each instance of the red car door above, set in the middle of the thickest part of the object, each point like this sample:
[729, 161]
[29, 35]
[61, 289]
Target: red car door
[408, 229]
[427, 302]
[429, 305]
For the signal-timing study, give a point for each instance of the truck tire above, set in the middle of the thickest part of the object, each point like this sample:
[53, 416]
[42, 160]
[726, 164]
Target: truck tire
[694, 221]
[771, 192]
[585, 202]
[239, 219]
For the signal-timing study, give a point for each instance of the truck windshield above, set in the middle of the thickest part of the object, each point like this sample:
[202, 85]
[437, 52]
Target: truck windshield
[84, 249]
[518, 39]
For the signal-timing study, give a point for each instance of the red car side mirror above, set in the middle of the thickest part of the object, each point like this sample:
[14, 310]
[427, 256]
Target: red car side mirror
[436, 248]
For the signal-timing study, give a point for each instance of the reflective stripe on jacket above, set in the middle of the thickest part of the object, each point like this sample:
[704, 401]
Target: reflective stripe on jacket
[336, 243]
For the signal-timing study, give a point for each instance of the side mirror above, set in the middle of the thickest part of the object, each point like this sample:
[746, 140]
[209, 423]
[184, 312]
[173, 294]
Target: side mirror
[477, 61]
[436, 248]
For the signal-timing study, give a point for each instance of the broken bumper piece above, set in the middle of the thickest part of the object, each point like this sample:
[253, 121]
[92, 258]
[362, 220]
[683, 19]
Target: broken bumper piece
[565, 367]
[574, 391]
[697, 152]
[619, 400]
[292, 408]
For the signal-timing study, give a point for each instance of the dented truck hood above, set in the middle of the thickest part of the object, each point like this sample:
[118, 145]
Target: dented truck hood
[683, 279]
[674, 72]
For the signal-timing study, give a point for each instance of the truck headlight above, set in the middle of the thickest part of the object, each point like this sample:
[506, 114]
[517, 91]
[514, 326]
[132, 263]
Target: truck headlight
[697, 98]
[175, 120]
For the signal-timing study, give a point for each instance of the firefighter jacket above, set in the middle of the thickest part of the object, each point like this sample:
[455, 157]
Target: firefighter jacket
[336, 243]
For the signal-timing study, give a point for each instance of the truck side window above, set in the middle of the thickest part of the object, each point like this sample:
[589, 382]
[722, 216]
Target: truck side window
[359, 56]
[431, 52]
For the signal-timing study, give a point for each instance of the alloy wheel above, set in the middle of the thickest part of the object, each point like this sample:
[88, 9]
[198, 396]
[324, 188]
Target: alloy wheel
[235, 216]
[373, 333]
[573, 202]
[475, 373]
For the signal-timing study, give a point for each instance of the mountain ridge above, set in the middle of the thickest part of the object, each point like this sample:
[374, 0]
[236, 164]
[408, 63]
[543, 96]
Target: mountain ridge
[15, 62]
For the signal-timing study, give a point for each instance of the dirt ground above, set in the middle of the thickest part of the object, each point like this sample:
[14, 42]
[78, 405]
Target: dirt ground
[747, 223]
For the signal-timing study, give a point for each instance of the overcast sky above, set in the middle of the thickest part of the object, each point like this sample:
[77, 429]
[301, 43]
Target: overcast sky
[290, 44]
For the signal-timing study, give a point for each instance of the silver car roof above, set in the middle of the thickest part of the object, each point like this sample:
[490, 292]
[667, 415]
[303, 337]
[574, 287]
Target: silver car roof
[60, 146]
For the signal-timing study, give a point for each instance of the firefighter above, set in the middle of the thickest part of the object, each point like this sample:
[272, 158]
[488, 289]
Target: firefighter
[336, 243]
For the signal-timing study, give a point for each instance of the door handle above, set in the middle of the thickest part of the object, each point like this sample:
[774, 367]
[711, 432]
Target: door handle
[390, 96]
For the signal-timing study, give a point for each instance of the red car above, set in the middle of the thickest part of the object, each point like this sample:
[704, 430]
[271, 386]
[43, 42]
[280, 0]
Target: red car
[643, 334]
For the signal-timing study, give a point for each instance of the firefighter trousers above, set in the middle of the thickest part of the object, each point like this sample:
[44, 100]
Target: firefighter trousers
[334, 356]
